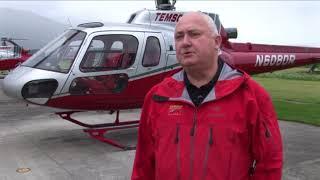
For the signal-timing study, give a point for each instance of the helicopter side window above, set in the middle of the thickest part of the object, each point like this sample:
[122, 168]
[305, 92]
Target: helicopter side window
[105, 84]
[94, 57]
[110, 52]
[152, 52]
[113, 59]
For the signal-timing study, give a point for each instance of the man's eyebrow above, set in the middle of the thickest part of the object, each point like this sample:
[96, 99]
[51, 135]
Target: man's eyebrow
[193, 30]
[178, 33]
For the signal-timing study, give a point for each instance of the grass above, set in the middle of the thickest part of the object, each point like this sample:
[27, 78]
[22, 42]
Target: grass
[300, 73]
[294, 100]
[308, 114]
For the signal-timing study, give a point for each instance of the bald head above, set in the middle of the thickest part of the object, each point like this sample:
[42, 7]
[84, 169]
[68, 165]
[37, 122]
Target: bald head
[202, 17]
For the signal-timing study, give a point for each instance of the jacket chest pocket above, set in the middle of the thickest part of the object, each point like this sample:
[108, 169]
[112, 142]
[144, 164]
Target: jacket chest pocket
[170, 147]
[226, 152]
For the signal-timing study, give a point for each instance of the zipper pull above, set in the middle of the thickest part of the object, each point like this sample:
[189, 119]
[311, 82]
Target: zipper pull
[193, 124]
[176, 140]
[267, 132]
[211, 137]
[192, 129]
[253, 168]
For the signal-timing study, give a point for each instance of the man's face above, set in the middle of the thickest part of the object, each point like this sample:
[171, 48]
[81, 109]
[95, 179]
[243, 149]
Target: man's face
[195, 43]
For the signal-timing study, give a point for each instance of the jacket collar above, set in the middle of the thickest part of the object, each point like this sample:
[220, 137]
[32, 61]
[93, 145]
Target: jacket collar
[229, 80]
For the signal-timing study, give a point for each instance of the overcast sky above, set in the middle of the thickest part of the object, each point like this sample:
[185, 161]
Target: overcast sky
[271, 22]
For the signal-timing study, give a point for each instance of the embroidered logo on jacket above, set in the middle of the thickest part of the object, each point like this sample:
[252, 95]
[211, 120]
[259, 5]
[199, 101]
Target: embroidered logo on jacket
[175, 110]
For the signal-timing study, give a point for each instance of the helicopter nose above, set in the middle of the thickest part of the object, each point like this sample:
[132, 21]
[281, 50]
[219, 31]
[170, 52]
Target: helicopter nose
[12, 83]
[28, 84]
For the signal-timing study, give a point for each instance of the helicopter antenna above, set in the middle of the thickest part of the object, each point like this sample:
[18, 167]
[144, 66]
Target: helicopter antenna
[70, 22]
[165, 4]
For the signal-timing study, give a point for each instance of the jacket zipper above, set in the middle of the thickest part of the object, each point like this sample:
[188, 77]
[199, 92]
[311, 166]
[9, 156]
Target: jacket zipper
[176, 141]
[210, 143]
[192, 134]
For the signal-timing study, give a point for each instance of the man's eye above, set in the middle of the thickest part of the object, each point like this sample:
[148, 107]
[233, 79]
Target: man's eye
[194, 34]
[178, 37]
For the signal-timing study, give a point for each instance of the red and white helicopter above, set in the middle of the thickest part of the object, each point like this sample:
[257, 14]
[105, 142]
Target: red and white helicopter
[112, 66]
[11, 54]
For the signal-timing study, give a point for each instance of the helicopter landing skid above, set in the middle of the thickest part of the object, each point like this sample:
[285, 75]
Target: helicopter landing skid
[99, 135]
[97, 131]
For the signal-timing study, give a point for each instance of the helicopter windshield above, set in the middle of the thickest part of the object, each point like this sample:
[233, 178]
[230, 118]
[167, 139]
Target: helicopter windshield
[59, 54]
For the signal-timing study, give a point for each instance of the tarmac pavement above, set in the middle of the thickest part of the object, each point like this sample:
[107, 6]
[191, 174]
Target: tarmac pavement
[34, 137]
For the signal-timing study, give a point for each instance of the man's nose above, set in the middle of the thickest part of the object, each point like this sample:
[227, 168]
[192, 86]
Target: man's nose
[186, 41]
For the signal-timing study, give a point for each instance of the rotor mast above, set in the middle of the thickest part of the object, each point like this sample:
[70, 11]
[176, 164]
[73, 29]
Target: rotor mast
[165, 4]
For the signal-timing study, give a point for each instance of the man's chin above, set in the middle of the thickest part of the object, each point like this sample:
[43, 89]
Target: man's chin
[187, 62]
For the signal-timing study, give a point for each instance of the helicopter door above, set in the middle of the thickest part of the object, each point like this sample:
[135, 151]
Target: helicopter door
[107, 64]
[153, 59]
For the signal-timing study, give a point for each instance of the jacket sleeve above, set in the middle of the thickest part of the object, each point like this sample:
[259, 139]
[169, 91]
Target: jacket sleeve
[144, 163]
[267, 141]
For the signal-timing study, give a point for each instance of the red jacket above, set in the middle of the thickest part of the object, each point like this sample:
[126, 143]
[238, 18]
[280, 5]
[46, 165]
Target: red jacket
[232, 135]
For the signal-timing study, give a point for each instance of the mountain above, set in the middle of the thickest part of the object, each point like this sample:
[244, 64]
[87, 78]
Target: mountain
[36, 29]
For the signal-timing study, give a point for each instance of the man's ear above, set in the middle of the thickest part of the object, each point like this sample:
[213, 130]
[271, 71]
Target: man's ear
[218, 41]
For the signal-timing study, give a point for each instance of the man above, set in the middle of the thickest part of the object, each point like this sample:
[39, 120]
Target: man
[208, 121]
